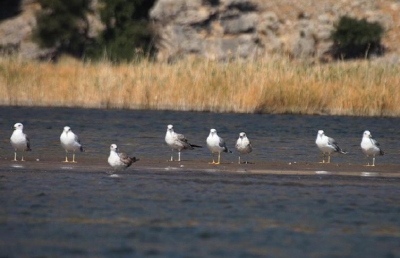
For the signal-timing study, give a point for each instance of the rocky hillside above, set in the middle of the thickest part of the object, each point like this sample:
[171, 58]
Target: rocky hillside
[222, 29]
[16, 29]
[225, 29]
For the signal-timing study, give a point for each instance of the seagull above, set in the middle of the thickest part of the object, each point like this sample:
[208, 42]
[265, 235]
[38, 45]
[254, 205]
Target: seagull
[119, 161]
[243, 145]
[178, 142]
[216, 144]
[370, 147]
[70, 142]
[327, 145]
[19, 140]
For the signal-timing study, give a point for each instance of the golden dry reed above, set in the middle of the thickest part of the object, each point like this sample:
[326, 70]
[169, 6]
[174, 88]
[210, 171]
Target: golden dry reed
[265, 86]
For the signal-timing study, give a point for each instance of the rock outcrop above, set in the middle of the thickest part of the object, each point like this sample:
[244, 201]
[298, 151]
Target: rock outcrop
[248, 29]
[226, 29]
[16, 32]
[17, 25]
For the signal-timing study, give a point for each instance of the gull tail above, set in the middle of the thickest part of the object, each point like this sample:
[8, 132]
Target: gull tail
[134, 159]
[81, 149]
[338, 149]
[226, 150]
[195, 146]
[381, 152]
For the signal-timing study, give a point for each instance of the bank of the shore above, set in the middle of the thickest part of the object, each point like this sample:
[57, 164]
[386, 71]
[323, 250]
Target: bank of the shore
[155, 166]
[277, 86]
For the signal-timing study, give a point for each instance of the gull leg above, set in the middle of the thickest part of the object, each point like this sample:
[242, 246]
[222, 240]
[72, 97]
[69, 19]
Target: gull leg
[329, 158]
[179, 156]
[373, 161]
[22, 159]
[323, 157]
[219, 158]
[66, 157]
[367, 162]
[172, 155]
[15, 156]
[239, 160]
[73, 158]
[213, 162]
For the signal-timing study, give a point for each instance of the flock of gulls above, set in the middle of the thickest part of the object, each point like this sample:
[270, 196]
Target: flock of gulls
[178, 142]
[328, 145]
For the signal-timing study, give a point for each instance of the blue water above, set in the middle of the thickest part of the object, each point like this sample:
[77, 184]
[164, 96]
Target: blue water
[184, 213]
[194, 214]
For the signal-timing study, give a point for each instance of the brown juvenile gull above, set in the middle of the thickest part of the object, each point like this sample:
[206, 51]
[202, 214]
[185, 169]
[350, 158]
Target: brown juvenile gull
[119, 160]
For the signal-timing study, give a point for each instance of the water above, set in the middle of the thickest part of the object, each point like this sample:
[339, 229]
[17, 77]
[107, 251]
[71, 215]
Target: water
[286, 138]
[145, 212]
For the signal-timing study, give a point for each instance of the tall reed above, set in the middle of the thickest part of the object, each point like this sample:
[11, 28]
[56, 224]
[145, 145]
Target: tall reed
[271, 85]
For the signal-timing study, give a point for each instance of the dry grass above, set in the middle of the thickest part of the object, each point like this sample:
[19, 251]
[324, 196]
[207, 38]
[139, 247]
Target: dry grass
[272, 86]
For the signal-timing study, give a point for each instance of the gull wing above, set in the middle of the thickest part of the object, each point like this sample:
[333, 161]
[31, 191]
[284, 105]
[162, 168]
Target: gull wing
[181, 137]
[126, 159]
[223, 145]
[28, 143]
[374, 142]
[333, 143]
[77, 139]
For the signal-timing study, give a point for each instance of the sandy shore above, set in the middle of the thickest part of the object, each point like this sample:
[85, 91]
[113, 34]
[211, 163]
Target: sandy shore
[276, 168]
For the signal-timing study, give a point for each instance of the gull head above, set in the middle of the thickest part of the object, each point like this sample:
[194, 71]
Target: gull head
[114, 147]
[321, 133]
[67, 129]
[242, 135]
[170, 128]
[367, 134]
[18, 126]
[213, 131]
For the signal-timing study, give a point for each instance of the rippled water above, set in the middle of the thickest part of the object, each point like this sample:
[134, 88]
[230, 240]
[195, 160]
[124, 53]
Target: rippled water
[192, 213]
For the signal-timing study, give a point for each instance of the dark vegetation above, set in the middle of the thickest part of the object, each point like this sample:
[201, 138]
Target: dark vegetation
[9, 8]
[354, 38]
[127, 35]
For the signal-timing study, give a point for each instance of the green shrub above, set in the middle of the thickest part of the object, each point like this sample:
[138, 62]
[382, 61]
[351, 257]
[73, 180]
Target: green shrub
[355, 38]
[63, 25]
[128, 34]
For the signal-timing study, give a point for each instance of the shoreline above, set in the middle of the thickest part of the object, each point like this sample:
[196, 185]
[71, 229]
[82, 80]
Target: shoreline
[171, 109]
[155, 166]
